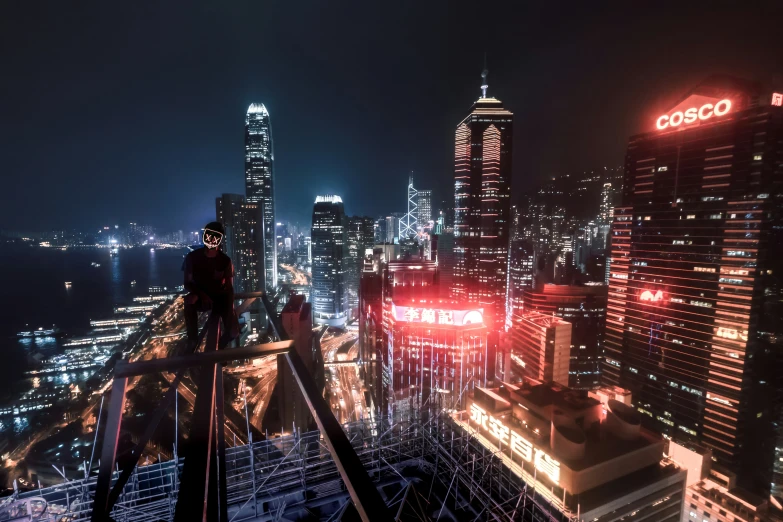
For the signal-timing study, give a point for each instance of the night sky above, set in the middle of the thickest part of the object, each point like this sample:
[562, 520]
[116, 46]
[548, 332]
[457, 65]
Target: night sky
[113, 112]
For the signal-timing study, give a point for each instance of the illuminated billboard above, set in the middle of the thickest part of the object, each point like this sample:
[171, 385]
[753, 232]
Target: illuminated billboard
[412, 314]
[650, 296]
[694, 109]
[520, 446]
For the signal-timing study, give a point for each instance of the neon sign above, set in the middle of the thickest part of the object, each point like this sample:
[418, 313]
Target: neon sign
[777, 99]
[731, 333]
[409, 314]
[688, 116]
[519, 445]
[651, 297]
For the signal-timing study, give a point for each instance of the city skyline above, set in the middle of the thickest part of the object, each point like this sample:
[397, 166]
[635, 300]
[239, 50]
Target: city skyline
[535, 273]
[396, 81]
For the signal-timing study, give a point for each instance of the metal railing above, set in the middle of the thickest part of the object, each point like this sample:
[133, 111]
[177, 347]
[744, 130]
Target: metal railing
[204, 481]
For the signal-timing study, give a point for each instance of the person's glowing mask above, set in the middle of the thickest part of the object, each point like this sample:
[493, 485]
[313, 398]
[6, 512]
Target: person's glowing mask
[212, 238]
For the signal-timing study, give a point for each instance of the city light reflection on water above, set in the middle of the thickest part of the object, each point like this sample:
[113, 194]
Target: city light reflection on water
[40, 343]
[21, 424]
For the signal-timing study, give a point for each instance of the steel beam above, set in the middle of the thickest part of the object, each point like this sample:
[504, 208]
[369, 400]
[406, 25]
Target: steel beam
[172, 364]
[192, 500]
[111, 436]
[245, 306]
[221, 445]
[365, 496]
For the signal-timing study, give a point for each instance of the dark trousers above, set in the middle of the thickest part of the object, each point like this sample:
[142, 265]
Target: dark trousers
[224, 307]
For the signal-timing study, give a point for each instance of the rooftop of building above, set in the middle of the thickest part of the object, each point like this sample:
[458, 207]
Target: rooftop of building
[736, 500]
[575, 289]
[723, 86]
[549, 394]
[411, 263]
[544, 320]
[257, 108]
[534, 405]
[627, 484]
[297, 303]
[328, 199]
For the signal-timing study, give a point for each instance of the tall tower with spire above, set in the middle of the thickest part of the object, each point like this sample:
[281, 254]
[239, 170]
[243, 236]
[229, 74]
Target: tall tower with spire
[260, 188]
[482, 195]
[409, 222]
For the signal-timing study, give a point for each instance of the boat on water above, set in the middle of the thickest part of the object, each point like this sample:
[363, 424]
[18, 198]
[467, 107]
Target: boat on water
[133, 283]
[95, 264]
[40, 332]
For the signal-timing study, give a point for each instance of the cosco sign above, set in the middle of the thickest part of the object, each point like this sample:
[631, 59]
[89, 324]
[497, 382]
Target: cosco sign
[688, 116]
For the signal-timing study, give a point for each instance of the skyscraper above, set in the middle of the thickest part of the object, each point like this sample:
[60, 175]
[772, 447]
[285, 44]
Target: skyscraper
[443, 254]
[329, 245]
[424, 204]
[260, 186]
[297, 321]
[540, 348]
[693, 324]
[393, 226]
[584, 306]
[360, 235]
[482, 189]
[239, 219]
[521, 271]
[409, 223]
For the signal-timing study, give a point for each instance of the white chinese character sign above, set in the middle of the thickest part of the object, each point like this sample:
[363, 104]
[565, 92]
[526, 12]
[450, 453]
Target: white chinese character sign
[517, 444]
[478, 415]
[498, 429]
[412, 315]
[428, 316]
[777, 99]
[445, 317]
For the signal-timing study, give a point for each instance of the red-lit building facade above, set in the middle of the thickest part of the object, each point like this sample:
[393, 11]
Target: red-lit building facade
[437, 351]
[482, 212]
[413, 342]
[693, 314]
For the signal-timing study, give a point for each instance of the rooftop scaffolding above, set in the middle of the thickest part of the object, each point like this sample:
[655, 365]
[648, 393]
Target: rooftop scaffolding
[429, 470]
[420, 466]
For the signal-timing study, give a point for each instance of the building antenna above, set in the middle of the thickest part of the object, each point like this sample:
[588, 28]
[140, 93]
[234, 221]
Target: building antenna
[484, 74]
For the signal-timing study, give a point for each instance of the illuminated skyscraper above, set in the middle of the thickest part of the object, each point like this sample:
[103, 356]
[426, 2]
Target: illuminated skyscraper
[360, 235]
[693, 320]
[424, 207]
[409, 223]
[521, 273]
[239, 218]
[329, 246]
[482, 189]
[260, 186]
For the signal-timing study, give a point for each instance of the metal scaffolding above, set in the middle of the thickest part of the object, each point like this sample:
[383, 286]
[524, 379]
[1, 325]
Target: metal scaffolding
[423, 470]
[417, 465]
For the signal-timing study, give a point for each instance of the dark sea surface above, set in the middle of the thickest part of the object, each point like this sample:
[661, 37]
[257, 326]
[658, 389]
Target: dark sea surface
[33, 292]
